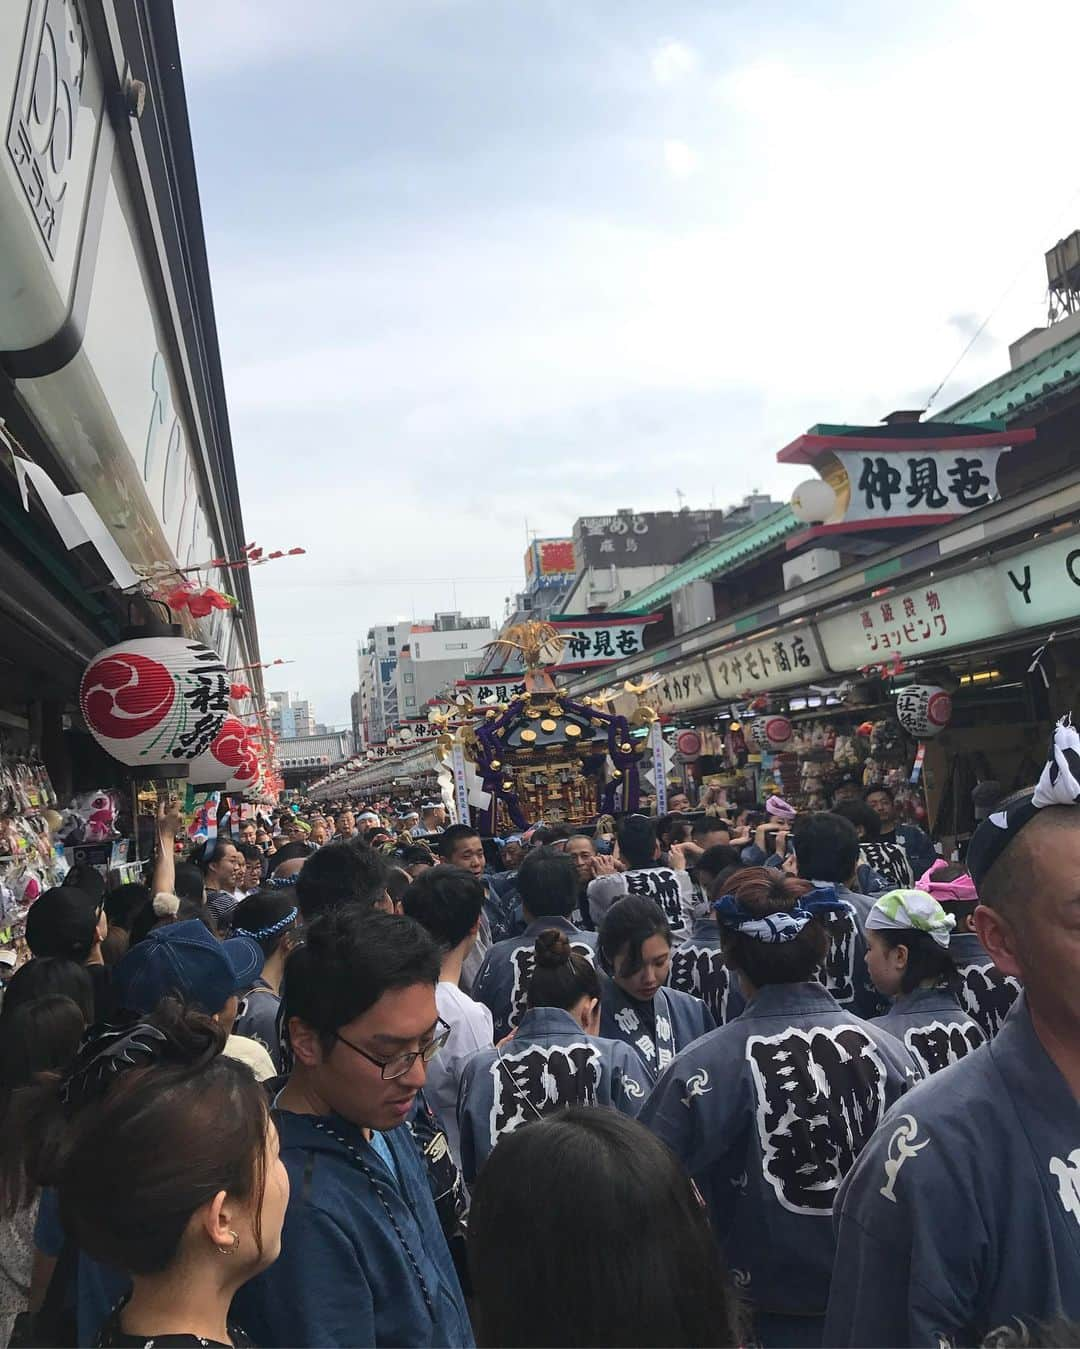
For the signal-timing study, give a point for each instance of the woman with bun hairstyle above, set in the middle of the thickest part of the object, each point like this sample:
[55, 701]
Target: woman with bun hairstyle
[769, 1113]
[164, 1161]
[555, 1058]
[636, 1006]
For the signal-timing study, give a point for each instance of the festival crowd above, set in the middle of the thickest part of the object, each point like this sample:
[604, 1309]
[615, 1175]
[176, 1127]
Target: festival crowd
[722, 1077]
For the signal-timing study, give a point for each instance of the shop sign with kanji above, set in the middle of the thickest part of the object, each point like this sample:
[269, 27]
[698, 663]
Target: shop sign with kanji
[679, 689]
[488, 692]
[1038, 586]
[775, 662]
[596, 642]
[904, 480]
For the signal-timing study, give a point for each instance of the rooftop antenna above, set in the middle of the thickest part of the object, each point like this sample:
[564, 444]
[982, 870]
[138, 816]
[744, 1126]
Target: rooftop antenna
[680, 497]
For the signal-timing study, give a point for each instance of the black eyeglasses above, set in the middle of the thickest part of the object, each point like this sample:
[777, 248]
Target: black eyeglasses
[400, 1064]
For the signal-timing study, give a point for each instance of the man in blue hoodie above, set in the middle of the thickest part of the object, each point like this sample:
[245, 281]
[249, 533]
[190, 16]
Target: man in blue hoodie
[363, 1256]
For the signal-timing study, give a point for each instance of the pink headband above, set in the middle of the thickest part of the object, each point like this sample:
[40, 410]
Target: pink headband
[959, 891]
[779, 809]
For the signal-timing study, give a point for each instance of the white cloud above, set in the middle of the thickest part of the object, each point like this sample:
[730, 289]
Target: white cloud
[403, 394]
[673, 61]
[681, 160]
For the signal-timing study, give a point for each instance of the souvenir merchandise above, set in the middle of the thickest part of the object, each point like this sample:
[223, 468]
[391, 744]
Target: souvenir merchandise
[29, 861]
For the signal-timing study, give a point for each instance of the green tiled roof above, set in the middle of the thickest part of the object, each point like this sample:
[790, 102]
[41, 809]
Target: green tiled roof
[1048, 375]
[717, 557]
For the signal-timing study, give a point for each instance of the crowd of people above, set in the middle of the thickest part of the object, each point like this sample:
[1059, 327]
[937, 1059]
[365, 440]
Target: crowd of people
[717, 1078]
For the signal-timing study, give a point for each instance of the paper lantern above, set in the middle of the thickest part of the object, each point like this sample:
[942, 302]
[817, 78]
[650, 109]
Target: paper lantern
[156, 700]
[923, 710]
[778, 732]
[813, 501]
[688, 743]
[758, 734]
[222, 757]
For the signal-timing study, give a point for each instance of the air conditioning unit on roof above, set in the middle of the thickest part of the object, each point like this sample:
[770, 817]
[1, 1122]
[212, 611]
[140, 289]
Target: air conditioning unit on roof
[810, 566]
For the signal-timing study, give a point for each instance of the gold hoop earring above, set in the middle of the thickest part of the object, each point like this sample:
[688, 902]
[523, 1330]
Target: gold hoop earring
[231, 1250]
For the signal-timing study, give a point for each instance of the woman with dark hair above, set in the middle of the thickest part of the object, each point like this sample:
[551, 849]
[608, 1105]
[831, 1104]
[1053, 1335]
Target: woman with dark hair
[37, 1036]
[554, 1203]
[270, 918]
[635, 951]
[769, 1113]
[907, 954]
[122, 904]
[556, 1058]
[46, 976]
[222, 865]
[164, 1159]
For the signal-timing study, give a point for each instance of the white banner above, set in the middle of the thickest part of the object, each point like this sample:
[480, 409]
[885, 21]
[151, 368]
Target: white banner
[590, 643]
[461, 783]
[917, 483]
[656, 744]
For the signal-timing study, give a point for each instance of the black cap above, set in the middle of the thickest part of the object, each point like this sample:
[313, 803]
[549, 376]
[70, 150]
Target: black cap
[63, 922]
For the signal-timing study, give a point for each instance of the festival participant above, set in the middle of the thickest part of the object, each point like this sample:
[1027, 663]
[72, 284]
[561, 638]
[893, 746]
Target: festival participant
[645, 877]
[184, 960]
[222, 865]
[50, 976]
[548, 885]
[319, 835]
[980, 987]
[920, 851]
[164, 1160]
[882, 866]
[697, 963]
[366, 821]
[827, 853]
[962, 1214]
[433, 817]
[342, 873]
[254, 863]
[553, 1203]
[635, 951]
[122, 903]
[909, 959]
[678, 803]
[364, 1260]
[581, 850]
[38, 1035]
[556, 1058]
[344, 825]
[769, 1112]
[710, 831]
[271, 919]
[416, 859]
[447, 903]
[69, 924]
[461, 846]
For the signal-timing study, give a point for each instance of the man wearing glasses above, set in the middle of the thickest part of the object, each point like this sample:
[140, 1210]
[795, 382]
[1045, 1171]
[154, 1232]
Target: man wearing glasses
[363, 1257]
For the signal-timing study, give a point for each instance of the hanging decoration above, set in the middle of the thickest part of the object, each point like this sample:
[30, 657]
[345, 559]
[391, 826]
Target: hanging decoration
[156, 700]
[198, 601]
[923, 710]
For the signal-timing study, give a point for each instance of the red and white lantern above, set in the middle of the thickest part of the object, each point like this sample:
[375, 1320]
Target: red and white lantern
[155, 702]
[923, 710]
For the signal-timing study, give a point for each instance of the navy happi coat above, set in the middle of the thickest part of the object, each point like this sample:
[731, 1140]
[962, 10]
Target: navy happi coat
[550, 1063]
[768, 1114]
[962, 1215]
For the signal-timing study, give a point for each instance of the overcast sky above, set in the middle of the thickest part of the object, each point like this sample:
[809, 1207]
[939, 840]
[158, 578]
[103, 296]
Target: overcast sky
[484, 266]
